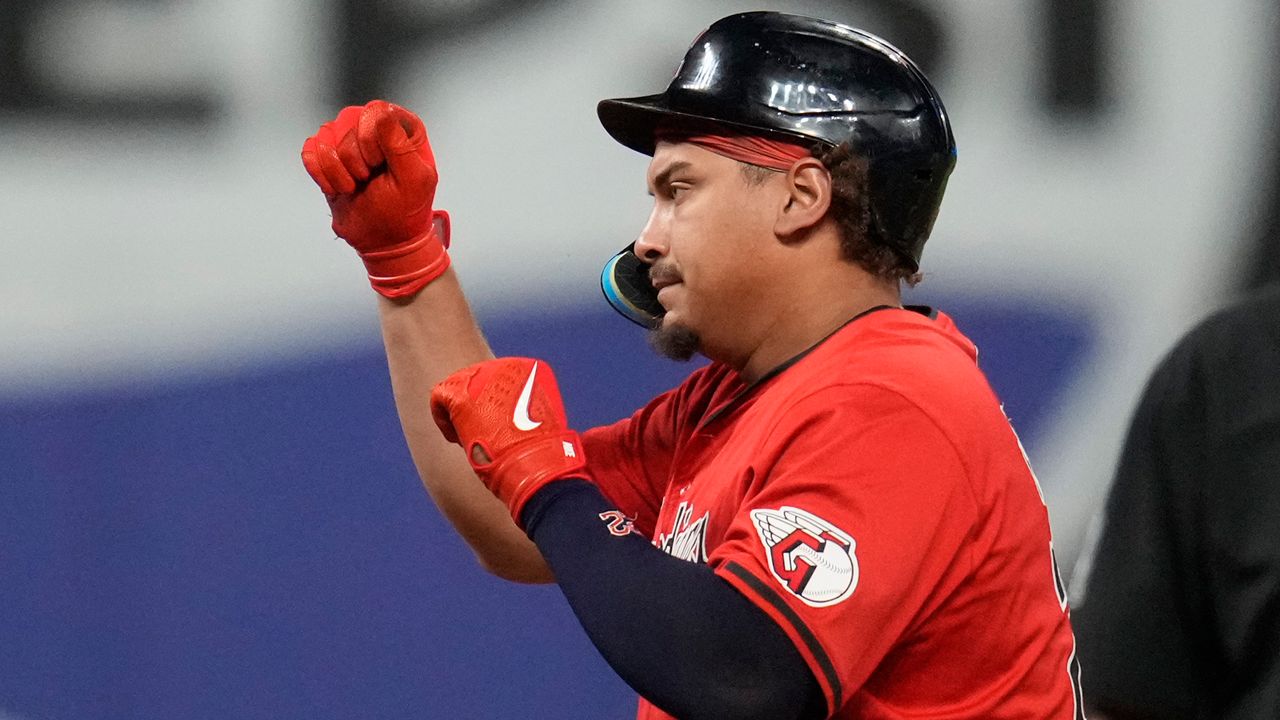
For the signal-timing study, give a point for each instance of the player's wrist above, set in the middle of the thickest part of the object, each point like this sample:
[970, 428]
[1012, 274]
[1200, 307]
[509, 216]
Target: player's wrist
[526, 468]
[403, 269]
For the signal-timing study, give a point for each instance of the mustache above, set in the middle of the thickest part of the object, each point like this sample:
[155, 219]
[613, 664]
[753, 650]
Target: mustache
[663, 273]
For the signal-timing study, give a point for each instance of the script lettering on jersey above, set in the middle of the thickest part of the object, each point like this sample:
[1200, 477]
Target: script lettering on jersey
[619, 524]
[687, 540]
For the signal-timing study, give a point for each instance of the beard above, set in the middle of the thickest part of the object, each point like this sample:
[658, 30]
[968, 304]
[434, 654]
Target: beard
[675, 342]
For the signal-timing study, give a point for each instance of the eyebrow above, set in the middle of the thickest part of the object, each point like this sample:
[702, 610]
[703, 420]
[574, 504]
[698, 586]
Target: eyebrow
[663, 177]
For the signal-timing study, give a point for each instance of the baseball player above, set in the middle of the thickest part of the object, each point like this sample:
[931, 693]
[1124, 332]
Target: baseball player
[831, 519]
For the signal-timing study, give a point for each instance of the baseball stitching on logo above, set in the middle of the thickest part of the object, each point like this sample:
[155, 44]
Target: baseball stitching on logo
[810, 557]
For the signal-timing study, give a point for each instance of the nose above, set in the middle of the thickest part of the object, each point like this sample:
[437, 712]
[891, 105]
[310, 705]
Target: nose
[651, 246]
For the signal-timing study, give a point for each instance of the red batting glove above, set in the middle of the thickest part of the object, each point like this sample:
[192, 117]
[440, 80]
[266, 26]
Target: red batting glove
[377, 172]
[508, 416]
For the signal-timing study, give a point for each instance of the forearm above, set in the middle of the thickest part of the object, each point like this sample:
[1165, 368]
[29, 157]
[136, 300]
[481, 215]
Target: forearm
[674, 630]
[427, 337]
[378, 174]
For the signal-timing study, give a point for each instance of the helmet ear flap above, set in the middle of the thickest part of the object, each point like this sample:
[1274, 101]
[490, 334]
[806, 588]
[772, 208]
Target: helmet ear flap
[626, 285]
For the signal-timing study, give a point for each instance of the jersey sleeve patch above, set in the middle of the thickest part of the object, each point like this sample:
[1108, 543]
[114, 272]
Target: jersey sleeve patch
[810, 557]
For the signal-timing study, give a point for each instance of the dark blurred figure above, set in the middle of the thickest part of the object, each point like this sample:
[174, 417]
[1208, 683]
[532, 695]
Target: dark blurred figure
[1181, 613]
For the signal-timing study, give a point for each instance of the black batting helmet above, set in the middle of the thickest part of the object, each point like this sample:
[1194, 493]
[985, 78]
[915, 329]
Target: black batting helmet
[803, 79]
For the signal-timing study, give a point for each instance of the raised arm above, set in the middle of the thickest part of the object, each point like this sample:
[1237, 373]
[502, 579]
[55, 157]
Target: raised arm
[378, 174]
[427, 338]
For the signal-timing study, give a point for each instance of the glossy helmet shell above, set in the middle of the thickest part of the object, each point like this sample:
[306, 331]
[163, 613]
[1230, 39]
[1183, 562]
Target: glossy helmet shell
[819, 82]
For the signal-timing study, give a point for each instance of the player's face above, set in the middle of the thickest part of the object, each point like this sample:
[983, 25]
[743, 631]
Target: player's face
[705, 239]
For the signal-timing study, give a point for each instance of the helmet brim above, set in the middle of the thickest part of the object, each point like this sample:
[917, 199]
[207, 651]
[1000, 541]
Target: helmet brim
[634, 122]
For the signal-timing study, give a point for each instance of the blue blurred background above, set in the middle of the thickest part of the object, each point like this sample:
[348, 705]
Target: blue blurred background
[206, 506]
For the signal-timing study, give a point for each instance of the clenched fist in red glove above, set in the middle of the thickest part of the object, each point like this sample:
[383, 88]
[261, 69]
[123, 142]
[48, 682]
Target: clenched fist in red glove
[377, 172]
[508, 416]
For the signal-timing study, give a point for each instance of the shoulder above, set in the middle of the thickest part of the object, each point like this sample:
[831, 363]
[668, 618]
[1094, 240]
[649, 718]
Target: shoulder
[1252, 321]
[1220, 376]
[1252, 318]
[1256, 311]
[905, 375]
[849, 440]
[1234, 347]
[923, 359]
[844, 409]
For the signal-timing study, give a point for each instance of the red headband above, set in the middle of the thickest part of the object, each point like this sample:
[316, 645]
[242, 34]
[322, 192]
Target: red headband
[751, 149]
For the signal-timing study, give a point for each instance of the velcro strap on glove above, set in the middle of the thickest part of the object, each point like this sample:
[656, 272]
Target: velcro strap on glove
[402, 270]
[533, 464]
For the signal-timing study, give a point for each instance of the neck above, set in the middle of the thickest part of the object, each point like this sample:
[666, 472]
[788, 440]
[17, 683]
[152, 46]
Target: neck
[809, 311]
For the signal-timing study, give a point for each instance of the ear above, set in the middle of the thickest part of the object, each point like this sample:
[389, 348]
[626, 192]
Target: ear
[808, 197]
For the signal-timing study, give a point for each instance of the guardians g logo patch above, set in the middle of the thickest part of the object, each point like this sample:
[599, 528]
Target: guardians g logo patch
[813, 559]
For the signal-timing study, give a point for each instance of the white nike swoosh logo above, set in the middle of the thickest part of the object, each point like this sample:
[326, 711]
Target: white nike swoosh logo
[521, 416]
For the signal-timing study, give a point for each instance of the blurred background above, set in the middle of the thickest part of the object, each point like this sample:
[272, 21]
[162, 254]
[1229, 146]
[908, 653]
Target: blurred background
[206, 506]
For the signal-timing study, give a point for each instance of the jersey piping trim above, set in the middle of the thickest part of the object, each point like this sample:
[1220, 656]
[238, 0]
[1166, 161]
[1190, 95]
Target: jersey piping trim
[820, 657]
[925, 310]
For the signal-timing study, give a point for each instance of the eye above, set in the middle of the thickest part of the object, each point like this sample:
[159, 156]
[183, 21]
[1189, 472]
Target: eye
[677, 189]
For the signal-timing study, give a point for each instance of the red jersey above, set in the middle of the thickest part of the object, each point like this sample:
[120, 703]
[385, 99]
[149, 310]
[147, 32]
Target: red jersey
[872, 499]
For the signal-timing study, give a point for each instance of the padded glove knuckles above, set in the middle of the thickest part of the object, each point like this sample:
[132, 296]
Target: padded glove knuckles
[507, 414]
[378, 173]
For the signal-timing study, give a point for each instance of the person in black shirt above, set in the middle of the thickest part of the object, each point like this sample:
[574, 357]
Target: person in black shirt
[1181, 612]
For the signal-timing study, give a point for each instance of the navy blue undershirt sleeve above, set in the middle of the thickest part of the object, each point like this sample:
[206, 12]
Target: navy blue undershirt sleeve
[679, 635]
